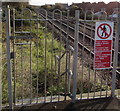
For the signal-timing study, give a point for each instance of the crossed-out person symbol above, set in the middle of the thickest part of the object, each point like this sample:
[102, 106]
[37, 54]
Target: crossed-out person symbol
[104, 29]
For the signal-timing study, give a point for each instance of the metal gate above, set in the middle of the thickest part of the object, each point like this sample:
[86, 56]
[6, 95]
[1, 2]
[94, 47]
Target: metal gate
[38, 55]
[50, 57]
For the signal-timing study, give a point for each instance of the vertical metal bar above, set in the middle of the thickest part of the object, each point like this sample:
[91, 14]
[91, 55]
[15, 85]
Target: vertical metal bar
[89, 82]
[16, 72]
[107, 78]
[55, 65]
[52, 57]
[101, 86]
[66, 72]
[94, 82]
[69, 73]
[31, 91]
[45, 54]
[22, 21]
[58, 79]
[60, 31]
[22, 73]
[30, 71]
[67, 56]
[8, 33]
[0, 56]
[89, 77]
[82, 75]
[37, 48]
[90, 56]
[14, 67]
[115, 59]
[60, 21]
[75, 60]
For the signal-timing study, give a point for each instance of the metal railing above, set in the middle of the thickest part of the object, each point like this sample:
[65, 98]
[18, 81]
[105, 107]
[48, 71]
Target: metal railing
[50, 57]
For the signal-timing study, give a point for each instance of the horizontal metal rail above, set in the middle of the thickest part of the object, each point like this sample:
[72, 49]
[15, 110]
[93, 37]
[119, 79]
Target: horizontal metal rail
[21, 37]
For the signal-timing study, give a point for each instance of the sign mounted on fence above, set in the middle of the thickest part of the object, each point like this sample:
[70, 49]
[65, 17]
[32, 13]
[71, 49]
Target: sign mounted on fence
[103, 45]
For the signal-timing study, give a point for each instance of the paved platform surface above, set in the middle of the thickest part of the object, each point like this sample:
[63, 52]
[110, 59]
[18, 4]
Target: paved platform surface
[103, 104]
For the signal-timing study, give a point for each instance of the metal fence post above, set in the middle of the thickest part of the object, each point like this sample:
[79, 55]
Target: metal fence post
[0, 56]
[115, 59]
[8, 33]
[75, 58]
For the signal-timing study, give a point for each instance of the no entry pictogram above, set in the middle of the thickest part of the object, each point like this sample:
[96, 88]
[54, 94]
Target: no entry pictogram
[104, 31]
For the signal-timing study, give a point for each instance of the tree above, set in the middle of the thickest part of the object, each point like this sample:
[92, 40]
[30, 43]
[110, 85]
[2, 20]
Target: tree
[72, 10]
[17, 5]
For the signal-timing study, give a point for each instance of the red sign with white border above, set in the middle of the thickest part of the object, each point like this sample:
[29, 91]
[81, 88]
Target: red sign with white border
[103, 45]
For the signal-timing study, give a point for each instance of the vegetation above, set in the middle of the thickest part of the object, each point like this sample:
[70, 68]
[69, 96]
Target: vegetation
[41, 41]
[40, 53]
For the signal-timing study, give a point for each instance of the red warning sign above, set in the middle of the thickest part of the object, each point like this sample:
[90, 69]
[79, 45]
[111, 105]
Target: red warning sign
[103, 45]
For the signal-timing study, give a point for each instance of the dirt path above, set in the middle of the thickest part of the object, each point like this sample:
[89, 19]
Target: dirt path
[103, 104]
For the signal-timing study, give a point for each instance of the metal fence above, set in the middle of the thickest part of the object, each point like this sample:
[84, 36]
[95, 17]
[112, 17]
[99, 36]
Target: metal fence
[50, 57]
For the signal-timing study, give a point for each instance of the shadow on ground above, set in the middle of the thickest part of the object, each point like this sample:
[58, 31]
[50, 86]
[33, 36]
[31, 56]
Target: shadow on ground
[103, 104]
